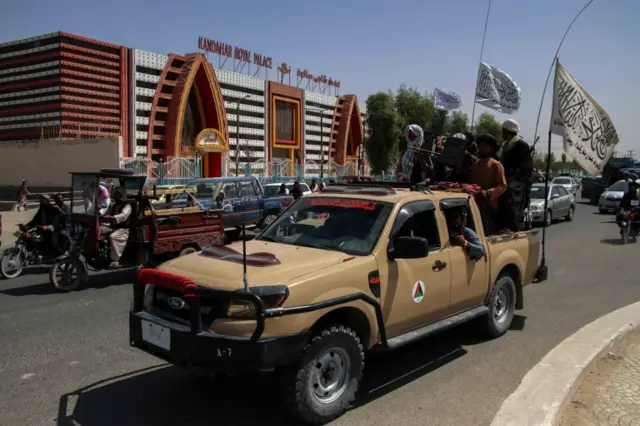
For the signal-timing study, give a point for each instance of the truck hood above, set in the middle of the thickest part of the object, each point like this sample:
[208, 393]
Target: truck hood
[271, 264]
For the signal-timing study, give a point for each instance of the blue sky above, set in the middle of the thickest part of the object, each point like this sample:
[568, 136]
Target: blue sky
[379, 44]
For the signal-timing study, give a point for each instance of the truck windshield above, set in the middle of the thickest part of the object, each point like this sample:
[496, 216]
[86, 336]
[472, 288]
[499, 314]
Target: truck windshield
[348, 225]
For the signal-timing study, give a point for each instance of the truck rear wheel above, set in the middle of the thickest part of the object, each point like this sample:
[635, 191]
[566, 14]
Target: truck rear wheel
[502, 306]
[324, 382]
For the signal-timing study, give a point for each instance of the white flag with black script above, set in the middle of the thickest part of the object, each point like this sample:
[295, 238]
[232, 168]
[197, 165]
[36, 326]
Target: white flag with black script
[586, 129]
[446, 101]
[497, 90]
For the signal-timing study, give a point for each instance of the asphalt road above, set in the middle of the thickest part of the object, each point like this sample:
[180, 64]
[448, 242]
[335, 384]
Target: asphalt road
[65, 359]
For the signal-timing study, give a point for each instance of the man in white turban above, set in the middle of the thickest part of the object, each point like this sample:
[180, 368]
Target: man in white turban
[517, 161]
[414, 135]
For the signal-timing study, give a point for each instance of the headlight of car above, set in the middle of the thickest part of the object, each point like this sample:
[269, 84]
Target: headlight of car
[271, 296]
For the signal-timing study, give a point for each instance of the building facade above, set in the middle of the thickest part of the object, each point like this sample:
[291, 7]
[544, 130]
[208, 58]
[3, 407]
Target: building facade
[173, 106]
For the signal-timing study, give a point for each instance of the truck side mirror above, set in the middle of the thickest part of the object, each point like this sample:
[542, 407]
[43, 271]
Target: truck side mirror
[408, 248]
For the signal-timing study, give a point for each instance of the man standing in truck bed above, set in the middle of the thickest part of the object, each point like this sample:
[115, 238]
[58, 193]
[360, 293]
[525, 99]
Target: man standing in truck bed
[518, 166]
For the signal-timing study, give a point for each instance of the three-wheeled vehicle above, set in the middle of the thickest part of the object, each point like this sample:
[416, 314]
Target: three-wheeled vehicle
[151, 232]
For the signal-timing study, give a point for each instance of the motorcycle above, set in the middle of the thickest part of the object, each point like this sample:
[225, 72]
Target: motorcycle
[629, 224]
[28, 250]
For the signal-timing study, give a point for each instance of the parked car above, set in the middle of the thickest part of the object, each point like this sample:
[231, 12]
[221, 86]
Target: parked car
[560, 204]
[611, 198]
[307, 312]
[568, 182]
[274, 188]
[242, 200]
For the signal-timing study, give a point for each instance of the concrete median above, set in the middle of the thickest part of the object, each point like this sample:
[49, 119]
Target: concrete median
[546, 389]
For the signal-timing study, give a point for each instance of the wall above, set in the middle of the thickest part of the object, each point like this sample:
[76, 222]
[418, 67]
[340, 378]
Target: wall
[48, 163]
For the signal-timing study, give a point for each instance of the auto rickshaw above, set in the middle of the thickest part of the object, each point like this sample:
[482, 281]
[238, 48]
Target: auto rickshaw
[151, 231]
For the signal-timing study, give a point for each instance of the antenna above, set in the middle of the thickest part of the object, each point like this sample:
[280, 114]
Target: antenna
[244, 258]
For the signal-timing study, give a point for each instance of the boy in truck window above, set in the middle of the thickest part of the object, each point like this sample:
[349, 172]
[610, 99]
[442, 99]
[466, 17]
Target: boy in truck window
[463, 236]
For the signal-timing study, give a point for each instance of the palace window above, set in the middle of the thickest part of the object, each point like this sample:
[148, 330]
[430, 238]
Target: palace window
[285, 123]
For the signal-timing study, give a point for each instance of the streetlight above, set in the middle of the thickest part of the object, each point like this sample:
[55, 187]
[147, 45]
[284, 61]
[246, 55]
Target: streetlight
[238, 132]
[321, 111]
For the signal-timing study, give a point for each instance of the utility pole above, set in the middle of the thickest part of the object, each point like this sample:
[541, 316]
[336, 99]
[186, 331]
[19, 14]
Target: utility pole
[238, 133]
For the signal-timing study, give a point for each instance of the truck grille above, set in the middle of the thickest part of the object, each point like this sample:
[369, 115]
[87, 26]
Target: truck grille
[173, 306]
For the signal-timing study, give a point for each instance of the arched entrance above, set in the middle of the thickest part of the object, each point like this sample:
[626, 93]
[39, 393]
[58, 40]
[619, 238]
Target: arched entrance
[212, 146]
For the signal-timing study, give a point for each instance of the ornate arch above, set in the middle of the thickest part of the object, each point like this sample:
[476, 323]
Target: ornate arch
[347, 123]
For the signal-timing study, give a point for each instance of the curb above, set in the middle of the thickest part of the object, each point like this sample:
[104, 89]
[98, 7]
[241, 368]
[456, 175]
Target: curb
[545, 390]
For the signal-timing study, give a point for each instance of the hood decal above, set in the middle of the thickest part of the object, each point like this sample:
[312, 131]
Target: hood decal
[228, 254]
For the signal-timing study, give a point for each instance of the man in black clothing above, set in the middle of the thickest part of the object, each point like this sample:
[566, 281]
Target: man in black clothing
[44, 219]
[296, 192]
[518, 167]
[629, 202]
[62, 224]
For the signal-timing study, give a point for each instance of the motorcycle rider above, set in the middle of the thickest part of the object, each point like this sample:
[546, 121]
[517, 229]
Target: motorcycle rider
[628, 203]
[62, 224]
[44, 221]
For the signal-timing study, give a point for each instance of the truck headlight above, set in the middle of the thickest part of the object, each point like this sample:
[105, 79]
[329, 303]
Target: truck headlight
[271, 296]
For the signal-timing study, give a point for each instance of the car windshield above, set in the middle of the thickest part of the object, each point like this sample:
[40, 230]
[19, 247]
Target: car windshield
[203, 190]
[537, 192]
[562, 181]
[352, 226]
[617, 187]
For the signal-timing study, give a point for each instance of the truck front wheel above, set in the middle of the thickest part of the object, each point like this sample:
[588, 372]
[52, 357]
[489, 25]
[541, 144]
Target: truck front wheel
[502, 306]
[324, 382]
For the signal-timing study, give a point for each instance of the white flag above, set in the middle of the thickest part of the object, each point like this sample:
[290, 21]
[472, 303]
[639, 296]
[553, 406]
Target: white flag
[497, 90]
[447, 101]
[587, 131]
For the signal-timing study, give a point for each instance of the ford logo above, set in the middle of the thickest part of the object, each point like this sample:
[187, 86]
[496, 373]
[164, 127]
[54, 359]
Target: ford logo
[176, 303]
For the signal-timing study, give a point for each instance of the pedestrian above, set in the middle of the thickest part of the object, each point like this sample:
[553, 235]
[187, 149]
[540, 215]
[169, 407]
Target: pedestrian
[517, 161]
[296, 191]
[23, 193]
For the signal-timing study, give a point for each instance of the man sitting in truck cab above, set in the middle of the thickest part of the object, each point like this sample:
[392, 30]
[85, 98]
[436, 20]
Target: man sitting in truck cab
[461, 235]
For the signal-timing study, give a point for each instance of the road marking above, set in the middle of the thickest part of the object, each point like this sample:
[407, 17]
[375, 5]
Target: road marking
[27, 376]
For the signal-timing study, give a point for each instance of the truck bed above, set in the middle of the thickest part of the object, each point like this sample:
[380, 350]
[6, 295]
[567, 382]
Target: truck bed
[525, 244]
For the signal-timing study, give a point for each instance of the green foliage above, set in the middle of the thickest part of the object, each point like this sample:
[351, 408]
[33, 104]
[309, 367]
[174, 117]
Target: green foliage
[487, 124]
[458, 123]
[383, 124]
[563, 157]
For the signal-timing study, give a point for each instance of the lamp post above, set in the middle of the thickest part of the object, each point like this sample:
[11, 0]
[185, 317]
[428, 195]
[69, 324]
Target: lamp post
[238, 132]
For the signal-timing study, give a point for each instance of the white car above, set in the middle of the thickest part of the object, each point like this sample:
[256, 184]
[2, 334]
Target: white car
[569, 183]
[274, 188]
[612, 197]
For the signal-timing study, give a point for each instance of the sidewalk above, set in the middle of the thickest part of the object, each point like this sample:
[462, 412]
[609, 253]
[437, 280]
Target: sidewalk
[10, 221]
[610, 393]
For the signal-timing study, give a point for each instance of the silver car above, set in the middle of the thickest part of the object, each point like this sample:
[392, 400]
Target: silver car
[612, 197]
[560, 204]
[569, 183]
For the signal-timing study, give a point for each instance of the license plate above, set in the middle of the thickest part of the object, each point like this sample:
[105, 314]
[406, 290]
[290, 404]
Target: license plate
[156, 335]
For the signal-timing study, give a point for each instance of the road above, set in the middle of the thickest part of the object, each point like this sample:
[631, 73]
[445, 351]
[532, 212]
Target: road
[64, 358]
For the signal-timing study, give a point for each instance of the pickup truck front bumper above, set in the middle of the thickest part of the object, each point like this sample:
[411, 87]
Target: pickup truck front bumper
[177, 344]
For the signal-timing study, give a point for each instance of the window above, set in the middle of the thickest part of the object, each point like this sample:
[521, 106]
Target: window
[246, 189]
[285, 123]
[351, 226]
[562, 191]
[418, 219]
[230, 190]
[466, 209]
[554, 191]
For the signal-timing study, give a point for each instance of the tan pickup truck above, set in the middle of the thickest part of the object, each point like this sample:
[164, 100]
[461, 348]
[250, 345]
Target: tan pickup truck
[337, 274]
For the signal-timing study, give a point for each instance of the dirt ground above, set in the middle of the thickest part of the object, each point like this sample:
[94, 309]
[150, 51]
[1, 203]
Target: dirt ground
[610, 392]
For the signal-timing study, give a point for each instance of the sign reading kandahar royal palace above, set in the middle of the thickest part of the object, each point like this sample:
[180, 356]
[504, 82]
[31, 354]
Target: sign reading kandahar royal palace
[258, 59]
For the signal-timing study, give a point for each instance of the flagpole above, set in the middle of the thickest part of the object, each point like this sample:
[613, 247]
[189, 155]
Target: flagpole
[484, 35]
[553, 63]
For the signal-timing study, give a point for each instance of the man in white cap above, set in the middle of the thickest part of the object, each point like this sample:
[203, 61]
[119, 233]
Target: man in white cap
[518, 167]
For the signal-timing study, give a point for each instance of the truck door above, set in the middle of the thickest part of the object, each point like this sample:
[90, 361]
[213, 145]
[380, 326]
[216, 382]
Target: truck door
[230, 216]
[469, 279]
[417, 290]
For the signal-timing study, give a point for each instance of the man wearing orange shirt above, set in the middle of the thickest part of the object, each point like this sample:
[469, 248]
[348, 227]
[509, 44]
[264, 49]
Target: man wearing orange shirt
[488, 174]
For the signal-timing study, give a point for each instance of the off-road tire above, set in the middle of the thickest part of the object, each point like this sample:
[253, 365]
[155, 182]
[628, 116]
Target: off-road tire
[569, 216]
[495, 327]
[295, 385]
[548, 218]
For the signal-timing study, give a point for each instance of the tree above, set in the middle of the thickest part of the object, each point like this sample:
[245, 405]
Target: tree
[487, 124]
[553, 159]
[458, 123]
[383, 124]
[563, 157]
